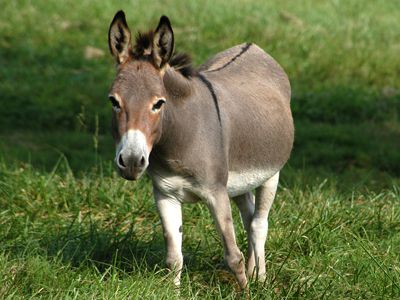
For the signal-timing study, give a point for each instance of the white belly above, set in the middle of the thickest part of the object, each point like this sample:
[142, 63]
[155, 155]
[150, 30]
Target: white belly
[240, 183]
[185, 190]
[174, 186]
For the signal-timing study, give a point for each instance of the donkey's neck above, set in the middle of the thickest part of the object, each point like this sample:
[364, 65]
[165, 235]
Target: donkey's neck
[180, 93]
[177, 86]
[190, 129]
[179, 116]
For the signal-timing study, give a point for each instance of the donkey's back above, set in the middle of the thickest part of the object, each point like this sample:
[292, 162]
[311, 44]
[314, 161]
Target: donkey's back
[246, 62]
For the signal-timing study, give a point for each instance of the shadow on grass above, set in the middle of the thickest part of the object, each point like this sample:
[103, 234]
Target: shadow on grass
[95, 246]
[93, 243]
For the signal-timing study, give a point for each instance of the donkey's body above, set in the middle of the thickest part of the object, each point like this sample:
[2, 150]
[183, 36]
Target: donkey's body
[224, 131]
[235, 130]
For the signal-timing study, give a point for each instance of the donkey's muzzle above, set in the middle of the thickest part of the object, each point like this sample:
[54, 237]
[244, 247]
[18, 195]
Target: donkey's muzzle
[130, 166]
[132, 155]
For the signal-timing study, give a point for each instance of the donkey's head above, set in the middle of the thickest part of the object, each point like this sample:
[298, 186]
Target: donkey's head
[138, 94]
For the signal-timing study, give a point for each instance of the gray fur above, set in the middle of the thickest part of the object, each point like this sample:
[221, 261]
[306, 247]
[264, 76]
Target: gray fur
[256, 131]
[224, 130]
[253, 94]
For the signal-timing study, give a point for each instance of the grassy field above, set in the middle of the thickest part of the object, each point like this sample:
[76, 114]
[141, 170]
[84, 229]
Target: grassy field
[71, 229]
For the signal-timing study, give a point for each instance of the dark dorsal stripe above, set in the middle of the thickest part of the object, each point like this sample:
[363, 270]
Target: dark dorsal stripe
[213, 95]
[244, 49]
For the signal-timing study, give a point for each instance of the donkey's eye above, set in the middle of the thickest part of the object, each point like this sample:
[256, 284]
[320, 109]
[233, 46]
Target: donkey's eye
[156, 107]
[115, 103]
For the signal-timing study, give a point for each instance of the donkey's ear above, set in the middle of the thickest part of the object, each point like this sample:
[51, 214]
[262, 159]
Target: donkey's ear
[119, 38]
[163, 43]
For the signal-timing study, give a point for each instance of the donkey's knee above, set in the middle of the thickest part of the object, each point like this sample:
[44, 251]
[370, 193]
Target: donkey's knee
[258, 230]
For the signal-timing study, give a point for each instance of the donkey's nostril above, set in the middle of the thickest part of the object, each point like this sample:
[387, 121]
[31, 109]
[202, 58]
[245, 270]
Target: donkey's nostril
[121, 162]
[142, 161]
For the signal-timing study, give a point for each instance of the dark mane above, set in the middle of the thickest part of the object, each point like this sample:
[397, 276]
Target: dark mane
[144, 41]
[181, 62]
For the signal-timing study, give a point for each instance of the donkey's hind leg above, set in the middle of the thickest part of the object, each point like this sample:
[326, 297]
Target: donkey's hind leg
[245, 203]
[265, 195]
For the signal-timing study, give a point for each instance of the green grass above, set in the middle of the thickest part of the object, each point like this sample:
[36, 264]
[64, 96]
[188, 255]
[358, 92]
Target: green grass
[342, 57]
[70, 228]
[100, 237]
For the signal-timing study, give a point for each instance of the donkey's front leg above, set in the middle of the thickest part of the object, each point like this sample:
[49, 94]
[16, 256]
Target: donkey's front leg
[170, 213]
[220, 208]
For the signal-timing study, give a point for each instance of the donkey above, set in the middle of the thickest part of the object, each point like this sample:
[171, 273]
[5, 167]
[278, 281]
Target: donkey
[211, 134]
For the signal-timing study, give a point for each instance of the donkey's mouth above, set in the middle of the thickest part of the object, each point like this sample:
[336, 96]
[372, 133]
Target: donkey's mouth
[131, 175]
